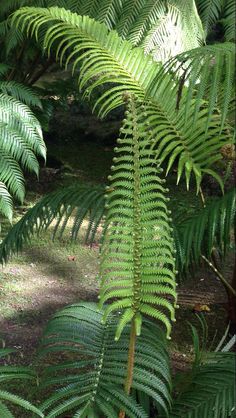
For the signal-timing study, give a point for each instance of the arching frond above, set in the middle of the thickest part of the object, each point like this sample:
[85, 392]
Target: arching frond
[138, 17]
[210, 390]
[210, 227]
[137, 264]
[92, 380]
[76, 203]
[8, 374]
[20, 142]
[106, 60]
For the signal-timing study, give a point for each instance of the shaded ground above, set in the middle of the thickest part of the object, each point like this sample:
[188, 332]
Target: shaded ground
[36, 284]
[47, 277]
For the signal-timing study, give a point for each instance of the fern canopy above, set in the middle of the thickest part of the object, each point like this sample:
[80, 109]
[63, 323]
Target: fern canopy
[106, 60]
[20, 142]
[137, 264]
[91, 382]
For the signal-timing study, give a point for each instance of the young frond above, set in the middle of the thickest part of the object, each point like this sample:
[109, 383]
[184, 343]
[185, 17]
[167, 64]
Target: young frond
[76, 203]
[8, 374]
[211, 389]
[92, 380]
[20, 142]
[211, 227]
[143, 225]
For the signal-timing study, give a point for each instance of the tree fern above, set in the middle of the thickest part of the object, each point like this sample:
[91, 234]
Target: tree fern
[108, 60]
[197, 235]
[137, 253]
[20, 142]
[8, 374]
[91, 381]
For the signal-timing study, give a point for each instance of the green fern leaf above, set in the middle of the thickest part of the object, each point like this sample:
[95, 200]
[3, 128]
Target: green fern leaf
[145, 231]
[20, 142]
[211, 390]
[100, 365]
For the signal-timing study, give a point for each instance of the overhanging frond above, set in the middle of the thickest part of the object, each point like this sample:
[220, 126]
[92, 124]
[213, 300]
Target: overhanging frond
[209, 74]
[106, 60]
[177, 30]
[20, 92]
[75, 203]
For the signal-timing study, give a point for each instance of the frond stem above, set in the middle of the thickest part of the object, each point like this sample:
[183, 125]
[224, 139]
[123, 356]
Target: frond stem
[130, 364]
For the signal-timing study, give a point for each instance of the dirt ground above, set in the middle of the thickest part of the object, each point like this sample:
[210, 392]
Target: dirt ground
[48, 276]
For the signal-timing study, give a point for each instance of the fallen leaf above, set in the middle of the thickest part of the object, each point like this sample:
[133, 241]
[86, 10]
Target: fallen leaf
[71, 258]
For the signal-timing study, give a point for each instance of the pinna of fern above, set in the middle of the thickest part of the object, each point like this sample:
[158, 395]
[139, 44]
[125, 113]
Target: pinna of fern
[137, 263]
[75, 203]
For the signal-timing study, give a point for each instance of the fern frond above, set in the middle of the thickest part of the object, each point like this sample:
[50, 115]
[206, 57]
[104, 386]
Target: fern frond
[20, 92]
[209, 73]
[20, 142]
[211, 227]
[228, 20]
[142, 225]
[7, 374]
[104, 59]
[210, 392]
[93, 382]
[210, 12]
[76, 202]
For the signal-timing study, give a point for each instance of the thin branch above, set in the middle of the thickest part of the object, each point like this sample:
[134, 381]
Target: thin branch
[219, 275]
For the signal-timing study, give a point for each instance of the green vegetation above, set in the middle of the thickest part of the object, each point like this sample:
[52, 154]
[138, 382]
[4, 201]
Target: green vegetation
[163, 69]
